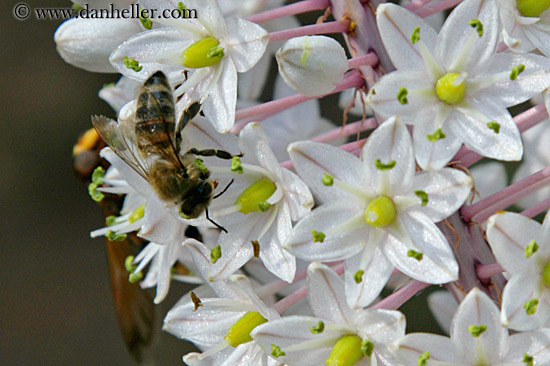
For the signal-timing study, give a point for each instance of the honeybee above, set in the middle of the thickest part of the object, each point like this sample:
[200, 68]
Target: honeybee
[180, 180]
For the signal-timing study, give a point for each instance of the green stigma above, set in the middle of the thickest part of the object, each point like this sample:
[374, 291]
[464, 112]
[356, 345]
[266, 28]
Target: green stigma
[527, 359]
[495, 126]
[255, 196]
[236, 165]
[533, 8]
[437, 135]
[380, 212]
[367, 347]
[531, 248]
[113, 236]
[318, 237]
[450, 88]
[414, 254]
[137, 214]
[531, 306]
[358, 276]
[215, 254]
[132, 64]
[415, 36]
[145, 20]
[276, 351]
[546, 274]
[516, 70]
[423, 359]
[381, 166]
[423, 197]
[346, 352]
[402, 95]
[203, 53]
[327, 180]
[476, 23]
[318, 328]
[239, 333]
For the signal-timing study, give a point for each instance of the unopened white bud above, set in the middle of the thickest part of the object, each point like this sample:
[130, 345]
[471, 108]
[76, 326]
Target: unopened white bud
[87, 43]
[312, 65]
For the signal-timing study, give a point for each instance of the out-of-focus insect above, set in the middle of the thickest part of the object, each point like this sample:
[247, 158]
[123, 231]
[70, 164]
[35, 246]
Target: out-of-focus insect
[180, 180]
[86, 153]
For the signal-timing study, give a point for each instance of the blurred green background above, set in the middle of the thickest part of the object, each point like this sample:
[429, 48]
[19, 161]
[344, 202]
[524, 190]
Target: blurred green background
[56, 306]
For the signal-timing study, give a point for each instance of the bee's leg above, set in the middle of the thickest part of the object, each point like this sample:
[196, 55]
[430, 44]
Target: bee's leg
[186, 116]
[213, 152]
[214, 222]
[225, 189]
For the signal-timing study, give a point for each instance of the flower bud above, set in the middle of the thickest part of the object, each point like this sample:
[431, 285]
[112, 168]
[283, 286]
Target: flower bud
[87, 43]
[312, 65]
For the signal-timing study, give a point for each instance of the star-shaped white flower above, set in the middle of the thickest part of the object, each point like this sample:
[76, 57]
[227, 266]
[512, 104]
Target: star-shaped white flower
[522, 247]
[453, 86]
[210, 49]
[525, 25]
[258, 209]
[337, 335]
[221, 324]
[477, 338]
[376, 212]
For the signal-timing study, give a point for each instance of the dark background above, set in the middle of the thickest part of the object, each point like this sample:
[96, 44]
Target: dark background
[56, 306]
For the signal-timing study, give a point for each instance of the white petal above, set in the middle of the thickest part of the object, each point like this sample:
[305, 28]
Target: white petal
[380, 326]
[396, 26]
[508, 235]
[294, 331]
[438, 264]
[421, 99]
[157, 49]
[313, 65]
[345, 231]
[390, 142]
[255, 147]
[246, 43]
[120, 94]
[209, 15]
[377, 271]
[312, 160]
[200, 134]
[326, 295]
[470, 125]
[246, 354]
[447, 190]
[520, 289]
[539, 38]
[87, 43]
[434, 155]
[410, 347]
[459, 47]
[219, 106]
[535, 344]
[298, 195]
[478, 309]
[532, 81]
[252, 82]
[443, 306]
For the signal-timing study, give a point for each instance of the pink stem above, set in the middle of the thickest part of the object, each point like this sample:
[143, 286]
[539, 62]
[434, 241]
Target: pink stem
[347, 130]
[299, 294]
[368, 59]
[482, 210]
[434, 8]
[339, 26]
[524, 121]
[537, 209]
[486, 271]
[401, 296]
[351, 80]
[292, 9]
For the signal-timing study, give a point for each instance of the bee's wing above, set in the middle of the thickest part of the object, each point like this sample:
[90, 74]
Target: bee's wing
[155, 119]
[122, 139]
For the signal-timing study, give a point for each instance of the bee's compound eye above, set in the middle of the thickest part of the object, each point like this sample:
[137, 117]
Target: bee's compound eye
[205, 189]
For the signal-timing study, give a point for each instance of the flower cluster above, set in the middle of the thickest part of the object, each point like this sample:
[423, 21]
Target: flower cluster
[264, 205]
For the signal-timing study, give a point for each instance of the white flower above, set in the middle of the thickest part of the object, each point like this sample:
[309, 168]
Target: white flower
[259, 207]
[536, 158]
[313, 65]
[525, 25]
[121, 93]
[337, 335]
[211, 49]
[522, 247]
[221, 325]
[377, 212]
[87, 43]
[477, 338]
[453, 87]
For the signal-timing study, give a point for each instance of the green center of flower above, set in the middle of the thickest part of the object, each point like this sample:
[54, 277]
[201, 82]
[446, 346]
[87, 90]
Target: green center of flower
[546, 274]
[254, 198]
[346, 352]
[533, 8]
[203, 53]
[450, 88]
[380, 212]
[239, 333]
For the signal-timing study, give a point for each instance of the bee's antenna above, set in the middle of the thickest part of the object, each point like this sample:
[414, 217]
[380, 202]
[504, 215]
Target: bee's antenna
[225, 189]
[214, 222]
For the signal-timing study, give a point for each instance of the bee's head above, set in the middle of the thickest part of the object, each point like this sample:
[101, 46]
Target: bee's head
[196, 200]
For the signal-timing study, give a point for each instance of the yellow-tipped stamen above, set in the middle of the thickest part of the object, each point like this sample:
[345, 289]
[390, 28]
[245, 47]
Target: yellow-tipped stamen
[239, 333]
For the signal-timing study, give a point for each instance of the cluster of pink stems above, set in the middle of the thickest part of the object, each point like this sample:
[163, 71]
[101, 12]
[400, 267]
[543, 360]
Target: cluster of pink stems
[474, 213]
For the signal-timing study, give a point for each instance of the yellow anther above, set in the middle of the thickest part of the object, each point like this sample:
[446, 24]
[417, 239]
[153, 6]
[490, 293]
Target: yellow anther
[346, 352]
[255, 196]
[203, 53]
[380, 212]
[450, 88]
[137, 214]
[546, 274]
[533, 8]
[239, 333]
